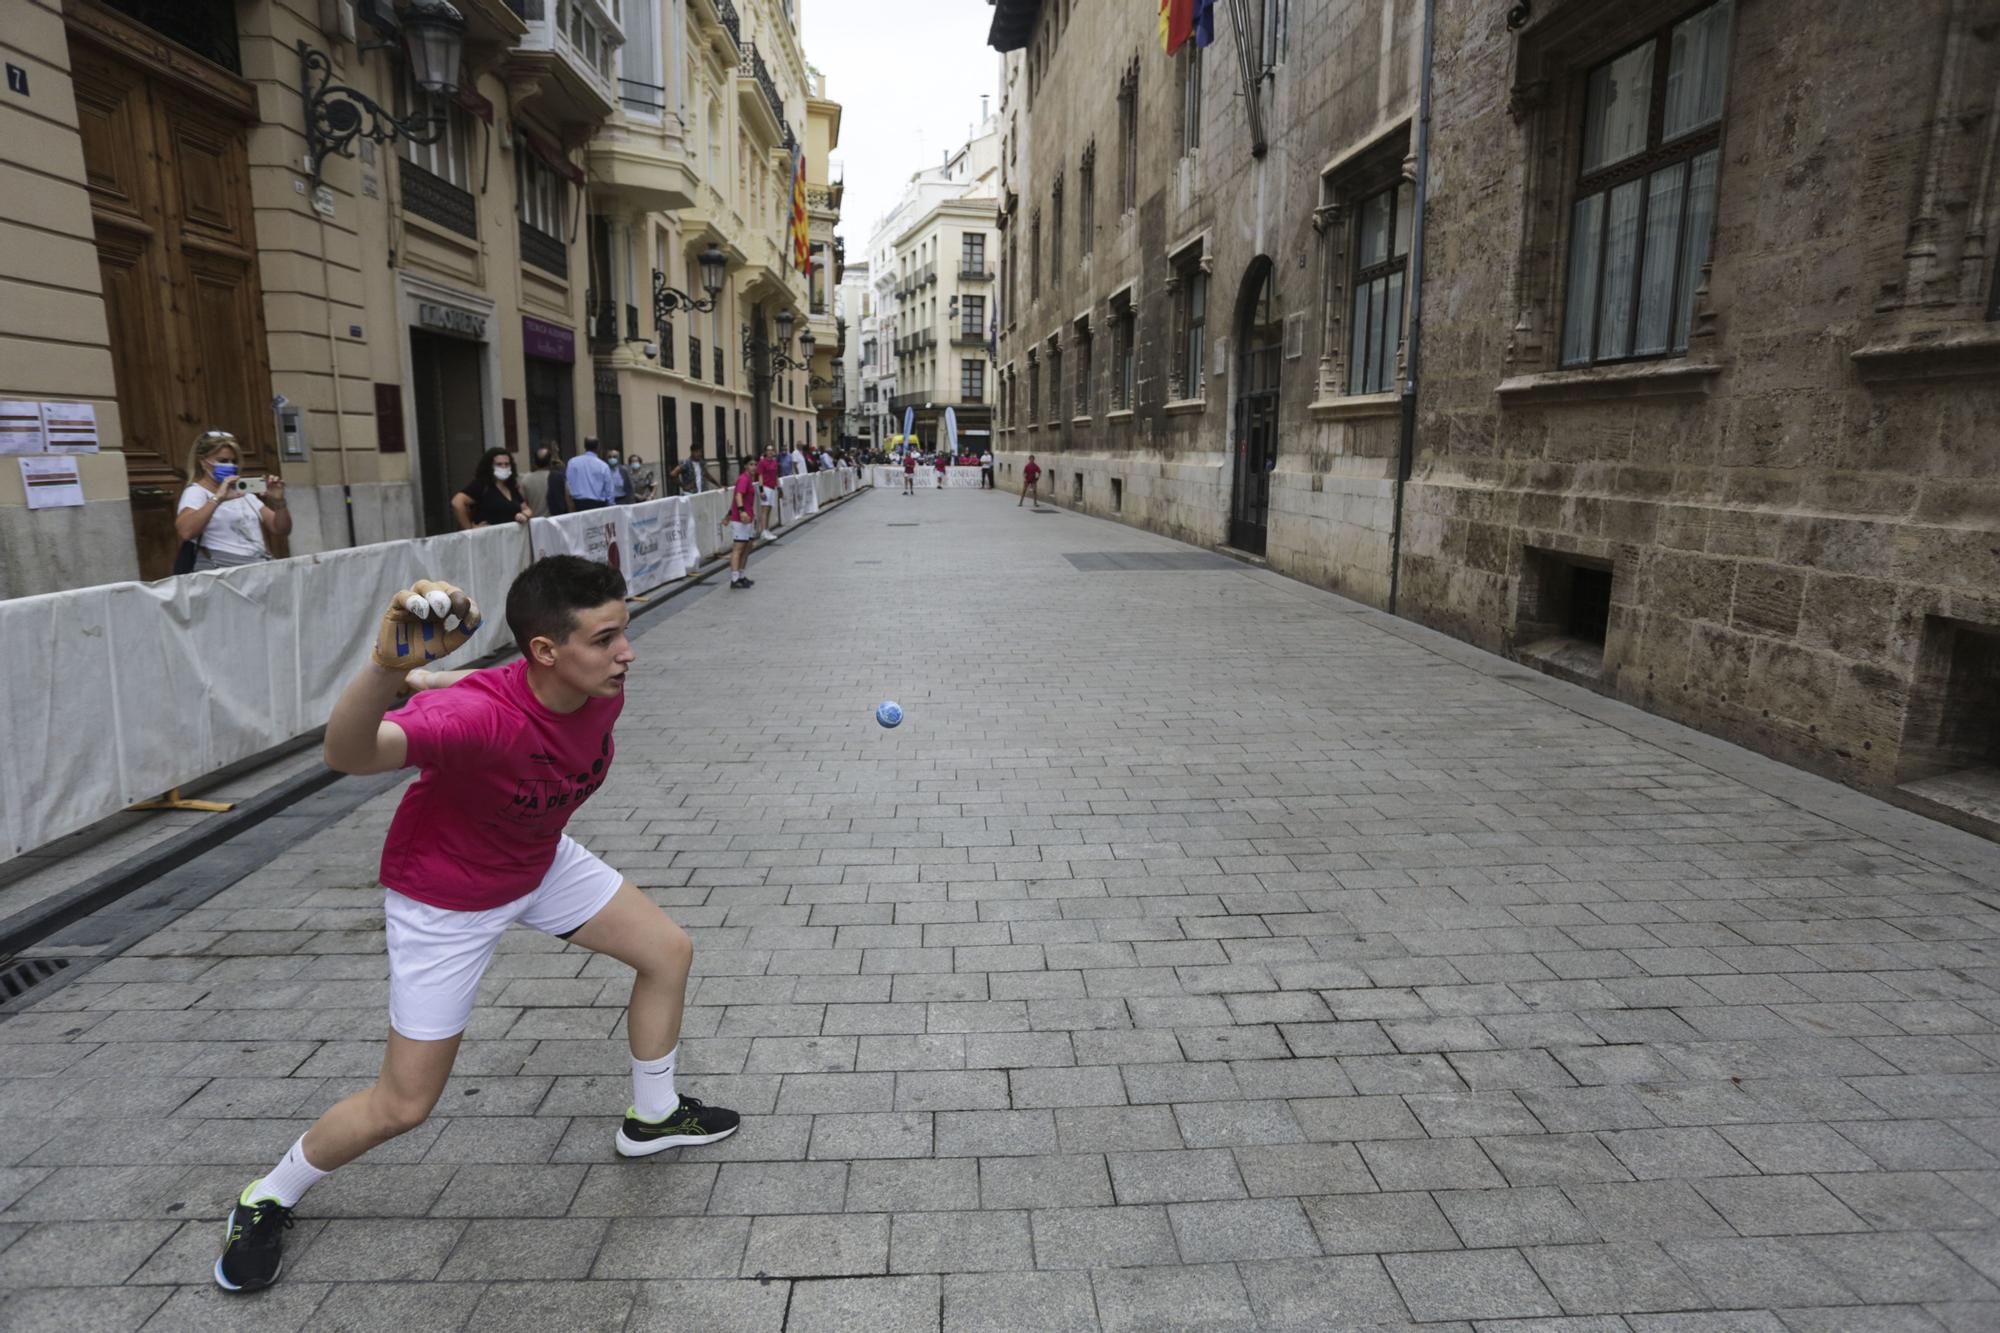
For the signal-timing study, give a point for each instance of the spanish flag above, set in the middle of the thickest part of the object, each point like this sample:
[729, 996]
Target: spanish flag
[1176, 24]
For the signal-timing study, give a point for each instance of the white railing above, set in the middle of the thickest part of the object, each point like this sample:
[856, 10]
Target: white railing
[119, 692]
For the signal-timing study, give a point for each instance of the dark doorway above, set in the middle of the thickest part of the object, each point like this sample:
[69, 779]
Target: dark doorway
[451, 426]
[1259, 350]
[551, 405]
[610, 411]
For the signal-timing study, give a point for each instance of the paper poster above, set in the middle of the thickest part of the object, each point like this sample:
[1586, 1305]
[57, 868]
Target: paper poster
[20, 426]
[51, 483]
[71, 428]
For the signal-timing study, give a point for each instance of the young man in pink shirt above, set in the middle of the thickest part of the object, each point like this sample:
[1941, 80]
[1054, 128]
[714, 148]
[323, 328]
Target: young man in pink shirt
[742, 529]
[505, 757]
[767, 485]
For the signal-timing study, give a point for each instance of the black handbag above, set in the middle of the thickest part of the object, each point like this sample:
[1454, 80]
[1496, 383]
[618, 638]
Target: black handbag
[185, 557]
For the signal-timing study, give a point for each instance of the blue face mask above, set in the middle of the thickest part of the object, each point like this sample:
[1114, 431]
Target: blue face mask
[224, 471]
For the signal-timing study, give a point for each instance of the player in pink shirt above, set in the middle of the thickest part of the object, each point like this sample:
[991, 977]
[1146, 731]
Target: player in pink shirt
[505, 757]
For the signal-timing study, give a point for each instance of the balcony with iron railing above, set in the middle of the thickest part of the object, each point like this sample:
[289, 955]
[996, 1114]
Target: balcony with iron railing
[930, 274]
[755, 85]
[571, 65]
[974, 273]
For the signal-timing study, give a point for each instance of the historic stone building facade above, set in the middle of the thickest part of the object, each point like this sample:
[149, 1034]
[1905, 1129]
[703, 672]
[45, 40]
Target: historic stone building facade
[1162, 346]
[1704, 405]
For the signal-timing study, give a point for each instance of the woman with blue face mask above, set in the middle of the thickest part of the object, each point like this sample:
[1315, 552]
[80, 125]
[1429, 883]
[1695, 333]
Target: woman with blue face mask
[227, 516]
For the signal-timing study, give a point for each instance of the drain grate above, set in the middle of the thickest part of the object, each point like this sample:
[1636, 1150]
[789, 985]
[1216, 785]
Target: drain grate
[18, 978]
[903, 525]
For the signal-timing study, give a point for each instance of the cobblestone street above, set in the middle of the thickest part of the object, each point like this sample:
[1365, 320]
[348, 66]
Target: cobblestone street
[1203, 952]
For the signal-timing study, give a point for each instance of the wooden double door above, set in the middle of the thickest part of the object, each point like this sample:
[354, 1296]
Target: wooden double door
[166, 157]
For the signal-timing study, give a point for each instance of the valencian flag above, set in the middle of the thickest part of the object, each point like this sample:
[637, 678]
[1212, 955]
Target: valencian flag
[799, 228]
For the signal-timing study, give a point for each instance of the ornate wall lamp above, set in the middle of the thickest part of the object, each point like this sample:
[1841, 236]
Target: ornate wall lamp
[337, 115]
[779, 351]
[714, 269]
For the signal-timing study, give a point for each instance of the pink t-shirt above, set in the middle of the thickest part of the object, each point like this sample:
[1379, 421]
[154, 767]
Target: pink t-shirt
[501, 775]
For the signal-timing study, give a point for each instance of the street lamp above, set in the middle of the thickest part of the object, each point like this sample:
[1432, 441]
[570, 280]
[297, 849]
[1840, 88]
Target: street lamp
[785, 322]
[714, 267]
[337, 115]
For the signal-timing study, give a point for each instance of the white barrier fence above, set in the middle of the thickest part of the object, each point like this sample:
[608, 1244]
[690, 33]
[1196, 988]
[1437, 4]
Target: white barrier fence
[890, 476]
[119, 692]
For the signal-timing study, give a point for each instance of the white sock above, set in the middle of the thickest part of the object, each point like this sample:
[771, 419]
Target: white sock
[289, 1179]
[653, 1095]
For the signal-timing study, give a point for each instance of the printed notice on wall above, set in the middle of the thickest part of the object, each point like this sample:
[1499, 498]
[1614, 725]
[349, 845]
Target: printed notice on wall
[71, 428]
[51, 483]
[20, 426]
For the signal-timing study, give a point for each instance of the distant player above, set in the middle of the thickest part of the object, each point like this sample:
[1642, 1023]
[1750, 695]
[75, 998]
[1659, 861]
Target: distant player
[1031, 473]
[505, 757]
[910, 473]
[742, 529]
[942, 463]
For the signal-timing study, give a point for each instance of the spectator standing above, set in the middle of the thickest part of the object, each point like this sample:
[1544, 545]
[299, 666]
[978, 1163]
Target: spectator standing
[589, 478]
[493, 498]
[621, 480]
[693, 473]
[825, 460]
[642, 478]
[798, 460]
[986, 471]
[1031, 474]
[535, 485]
[769, 501]
[742, 528]
[221, 512]
[785, 464]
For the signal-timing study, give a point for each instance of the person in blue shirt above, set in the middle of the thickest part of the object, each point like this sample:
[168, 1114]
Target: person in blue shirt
[589, 477]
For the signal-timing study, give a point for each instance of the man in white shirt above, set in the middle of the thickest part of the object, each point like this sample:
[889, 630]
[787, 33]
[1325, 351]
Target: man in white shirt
[589, 478]
[986, 471]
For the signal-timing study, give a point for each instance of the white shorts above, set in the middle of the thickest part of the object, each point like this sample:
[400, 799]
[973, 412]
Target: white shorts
[437, 956]
[743, 532]
[771, 495]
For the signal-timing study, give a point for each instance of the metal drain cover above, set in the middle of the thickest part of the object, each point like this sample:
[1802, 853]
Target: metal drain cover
[23, 975]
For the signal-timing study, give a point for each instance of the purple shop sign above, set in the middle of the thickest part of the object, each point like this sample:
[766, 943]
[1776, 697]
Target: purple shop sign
[547, 342]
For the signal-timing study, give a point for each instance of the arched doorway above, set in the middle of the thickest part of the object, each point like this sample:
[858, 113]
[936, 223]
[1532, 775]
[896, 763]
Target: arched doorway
[1259, 351]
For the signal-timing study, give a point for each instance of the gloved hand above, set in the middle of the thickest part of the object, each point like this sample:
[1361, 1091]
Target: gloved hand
[425, 622]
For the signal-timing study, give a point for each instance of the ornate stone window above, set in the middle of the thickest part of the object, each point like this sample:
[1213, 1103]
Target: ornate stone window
[1128, 138]
[1365, 221]
[1124, 352]
[1082, 340]
[1086, 199]
[1643, 207]
[1622, 107]
[1187, 289]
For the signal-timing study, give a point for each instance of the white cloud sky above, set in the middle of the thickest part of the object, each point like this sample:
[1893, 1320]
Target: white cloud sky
[908, 75]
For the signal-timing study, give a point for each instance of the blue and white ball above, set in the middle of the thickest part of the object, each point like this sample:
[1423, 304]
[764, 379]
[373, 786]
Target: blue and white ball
[890, 713]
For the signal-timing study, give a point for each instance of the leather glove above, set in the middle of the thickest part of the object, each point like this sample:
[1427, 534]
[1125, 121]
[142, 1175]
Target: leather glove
[425, 622]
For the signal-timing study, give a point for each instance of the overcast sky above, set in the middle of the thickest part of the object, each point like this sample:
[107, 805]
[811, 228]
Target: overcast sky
[908, 75]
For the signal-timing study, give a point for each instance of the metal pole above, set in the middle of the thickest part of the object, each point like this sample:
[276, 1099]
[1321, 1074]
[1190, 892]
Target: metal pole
[1407, 445]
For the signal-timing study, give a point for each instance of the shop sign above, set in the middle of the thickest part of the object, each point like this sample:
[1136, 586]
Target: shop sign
[547, 342]
[450, 319]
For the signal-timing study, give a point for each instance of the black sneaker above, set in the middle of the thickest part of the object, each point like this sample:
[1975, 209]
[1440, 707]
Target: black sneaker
[687, 1125]
[253, 1245]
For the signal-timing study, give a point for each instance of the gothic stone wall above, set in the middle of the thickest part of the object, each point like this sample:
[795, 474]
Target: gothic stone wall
[1347, 80]
[1786, 531]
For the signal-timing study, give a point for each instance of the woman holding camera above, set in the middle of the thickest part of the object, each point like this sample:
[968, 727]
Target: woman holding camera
[493, 498]
[225, 515]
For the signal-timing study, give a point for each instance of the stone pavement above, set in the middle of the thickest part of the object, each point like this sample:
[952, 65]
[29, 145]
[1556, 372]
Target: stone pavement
[1203, 952]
